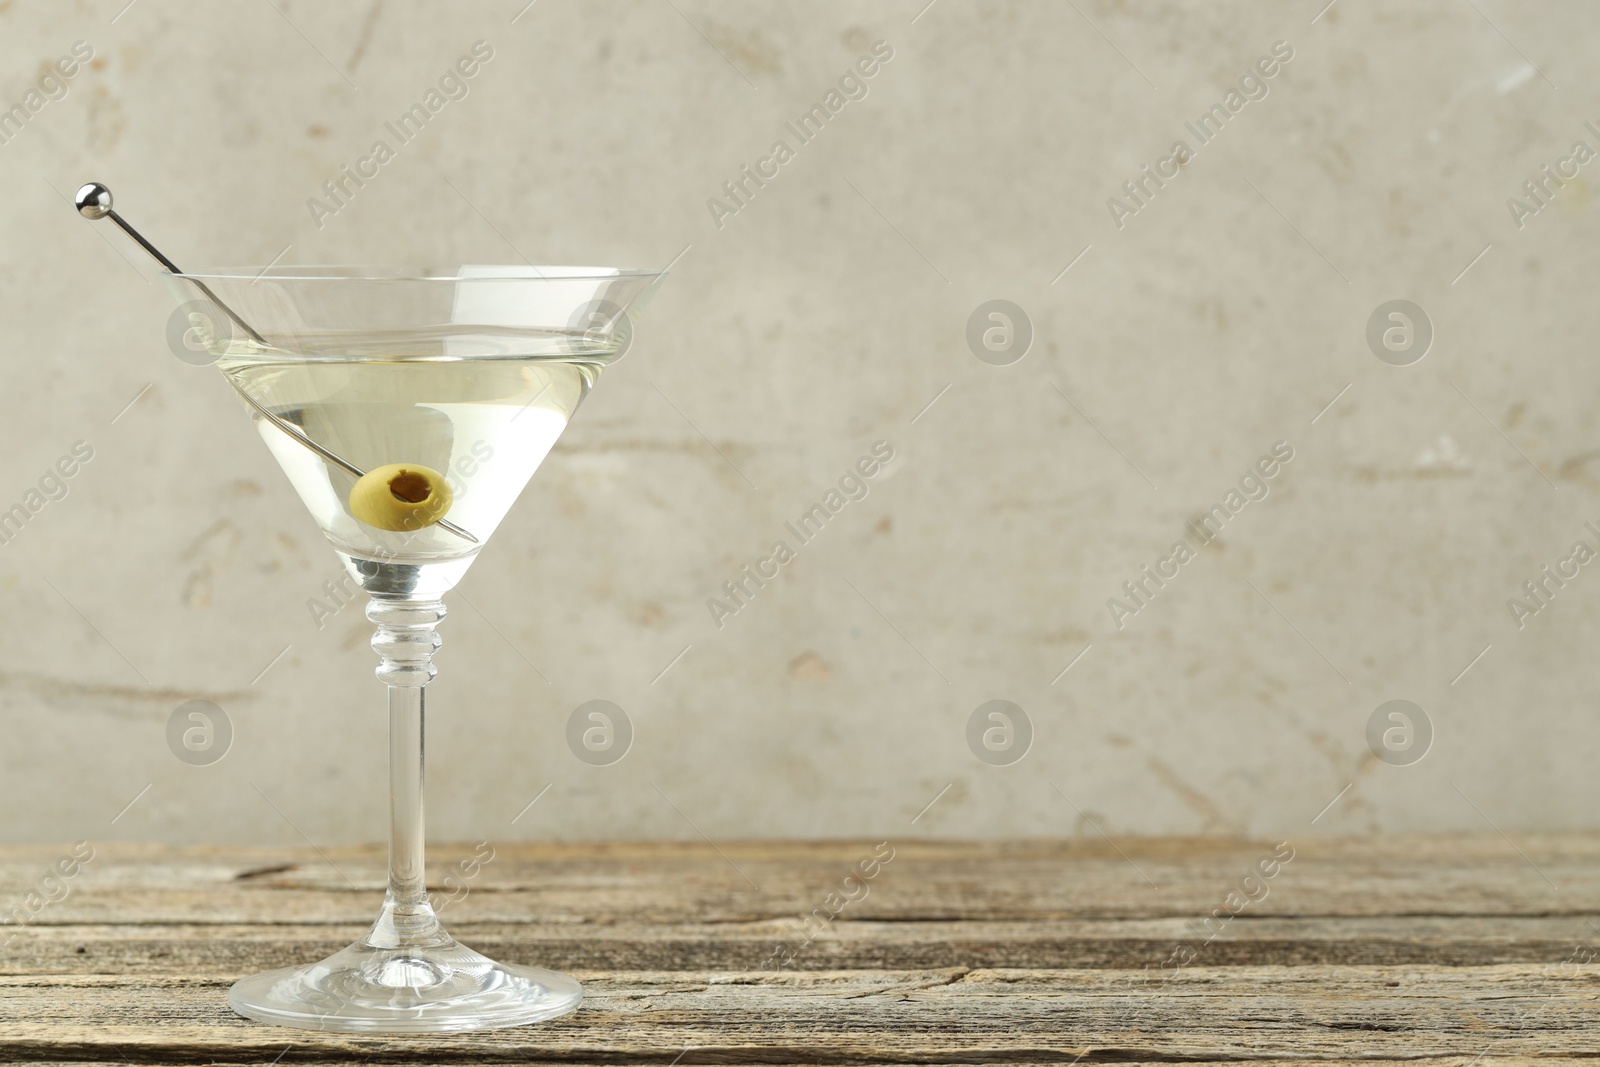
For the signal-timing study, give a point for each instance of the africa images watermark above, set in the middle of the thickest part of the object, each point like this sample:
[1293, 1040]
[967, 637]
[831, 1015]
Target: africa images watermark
[753, 577]
[53, 85]
[52, 486]
[1540, 189]
[1254, 485]
[1253, 888]
[54, 887]
[853, 888]
[852, 85]
[458, 879]
[1551, 579]
[454, 84]
[1253, 85]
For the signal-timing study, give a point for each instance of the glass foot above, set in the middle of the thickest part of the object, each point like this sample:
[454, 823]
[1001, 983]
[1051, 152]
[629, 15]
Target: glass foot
[430, 984]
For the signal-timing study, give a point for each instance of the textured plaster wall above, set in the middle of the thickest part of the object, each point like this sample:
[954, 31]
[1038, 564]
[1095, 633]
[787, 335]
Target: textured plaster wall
[826, 312]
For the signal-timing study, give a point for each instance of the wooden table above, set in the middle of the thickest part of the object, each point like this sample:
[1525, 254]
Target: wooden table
[1430, 950]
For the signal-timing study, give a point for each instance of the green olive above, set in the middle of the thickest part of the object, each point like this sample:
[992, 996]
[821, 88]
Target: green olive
[401, 496]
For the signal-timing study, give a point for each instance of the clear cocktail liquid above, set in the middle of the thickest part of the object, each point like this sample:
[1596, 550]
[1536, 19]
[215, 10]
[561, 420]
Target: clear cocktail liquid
[485, 424]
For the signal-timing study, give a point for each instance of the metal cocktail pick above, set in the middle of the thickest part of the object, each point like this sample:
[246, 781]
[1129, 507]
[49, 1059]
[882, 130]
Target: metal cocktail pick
[94, 202]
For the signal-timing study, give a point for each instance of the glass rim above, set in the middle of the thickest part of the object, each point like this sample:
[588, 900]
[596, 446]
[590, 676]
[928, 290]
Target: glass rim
[492, 272]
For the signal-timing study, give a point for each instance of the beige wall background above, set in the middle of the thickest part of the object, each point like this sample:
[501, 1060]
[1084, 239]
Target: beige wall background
[1229, 313]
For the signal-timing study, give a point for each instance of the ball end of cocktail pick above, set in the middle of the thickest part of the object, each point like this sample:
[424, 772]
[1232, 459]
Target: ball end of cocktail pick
[94, 201]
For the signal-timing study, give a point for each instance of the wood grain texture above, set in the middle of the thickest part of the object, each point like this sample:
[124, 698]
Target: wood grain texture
[1416, 950]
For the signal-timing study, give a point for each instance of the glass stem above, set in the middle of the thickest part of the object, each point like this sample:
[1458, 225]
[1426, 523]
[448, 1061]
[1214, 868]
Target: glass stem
[405, 641]
[406, 772]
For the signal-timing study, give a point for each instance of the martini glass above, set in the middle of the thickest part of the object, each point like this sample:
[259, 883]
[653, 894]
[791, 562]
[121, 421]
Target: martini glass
[409, 407]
